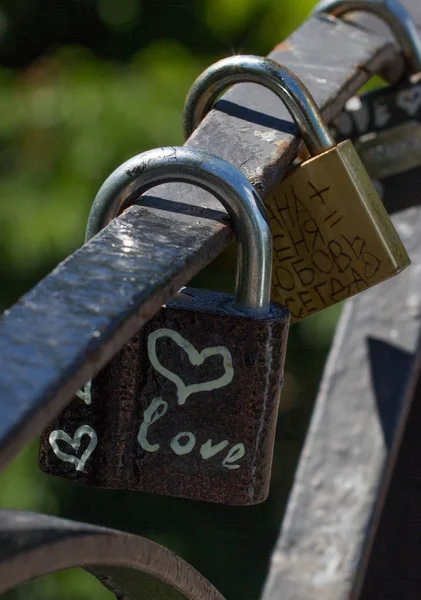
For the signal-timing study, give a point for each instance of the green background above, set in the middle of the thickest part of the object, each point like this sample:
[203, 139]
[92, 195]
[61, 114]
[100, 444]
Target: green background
[85, 85]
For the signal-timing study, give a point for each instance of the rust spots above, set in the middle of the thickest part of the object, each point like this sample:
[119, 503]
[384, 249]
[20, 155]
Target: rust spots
[284, 153]
[303, 155]
[365, 70]
[281, 148]
[284, 47]
[415, 78]
[218, 226]
[258, 184]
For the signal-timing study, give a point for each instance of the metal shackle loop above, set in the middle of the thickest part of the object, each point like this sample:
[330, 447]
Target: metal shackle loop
[255, 69]
[396, 16]
[217, 176]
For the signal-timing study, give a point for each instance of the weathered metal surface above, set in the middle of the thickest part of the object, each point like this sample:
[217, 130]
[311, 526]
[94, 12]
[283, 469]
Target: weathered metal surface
[65, 329]
[188, 407]
[243, 68]
[249, 127]
[355, 432]
[391, 12]
[60, 333]
[394, 567]
[206, 171]
[133, 567]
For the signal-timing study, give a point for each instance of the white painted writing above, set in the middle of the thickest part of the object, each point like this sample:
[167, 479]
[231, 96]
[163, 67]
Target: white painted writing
[155, 411]
[74, 442]
[85, 393]
[185, 448]
[233, 455]
[196, 358]
[409, 100]
[207, 450]
[357, 113]
[185, 441]
[382, 114]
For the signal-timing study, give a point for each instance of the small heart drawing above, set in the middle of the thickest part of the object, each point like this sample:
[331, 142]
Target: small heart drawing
[196, 358]
[74, 442]
[371, 264]
[409, 100]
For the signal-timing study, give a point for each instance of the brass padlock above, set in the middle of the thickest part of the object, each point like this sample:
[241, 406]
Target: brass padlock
[332, 236]
[385, 124]
[189, 406]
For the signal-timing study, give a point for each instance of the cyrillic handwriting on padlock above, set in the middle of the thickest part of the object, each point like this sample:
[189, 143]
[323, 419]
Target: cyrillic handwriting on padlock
[322, 261]
[338, 228]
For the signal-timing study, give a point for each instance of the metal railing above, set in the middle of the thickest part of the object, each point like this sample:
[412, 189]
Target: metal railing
[63, 331]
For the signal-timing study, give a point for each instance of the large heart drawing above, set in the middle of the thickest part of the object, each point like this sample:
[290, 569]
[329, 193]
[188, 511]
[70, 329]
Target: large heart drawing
[409, 100]
[74, 442]
[196, 358]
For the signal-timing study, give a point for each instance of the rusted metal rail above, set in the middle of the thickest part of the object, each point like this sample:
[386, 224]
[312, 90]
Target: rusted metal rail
[65, 329]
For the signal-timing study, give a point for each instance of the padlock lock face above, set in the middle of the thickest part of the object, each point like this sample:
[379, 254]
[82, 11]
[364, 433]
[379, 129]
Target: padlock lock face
[188, 407]
[332, 236]
[385, 126]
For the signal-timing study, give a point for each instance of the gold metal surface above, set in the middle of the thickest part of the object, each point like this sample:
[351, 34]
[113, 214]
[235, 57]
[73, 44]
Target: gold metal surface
[392, 151]
[331, 233]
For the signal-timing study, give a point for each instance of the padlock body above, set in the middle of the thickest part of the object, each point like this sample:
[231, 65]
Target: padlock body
[332, 236]
[188, 407]
[391, 152]
[385, 126]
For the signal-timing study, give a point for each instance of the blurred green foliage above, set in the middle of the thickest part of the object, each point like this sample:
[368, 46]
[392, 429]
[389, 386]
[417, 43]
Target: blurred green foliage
[84, 85]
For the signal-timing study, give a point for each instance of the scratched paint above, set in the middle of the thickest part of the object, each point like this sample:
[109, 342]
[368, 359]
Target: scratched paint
[85, 393]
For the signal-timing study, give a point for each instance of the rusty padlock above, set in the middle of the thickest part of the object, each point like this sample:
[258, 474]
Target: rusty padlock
[189, 406]
[385, 124]
[332, 236]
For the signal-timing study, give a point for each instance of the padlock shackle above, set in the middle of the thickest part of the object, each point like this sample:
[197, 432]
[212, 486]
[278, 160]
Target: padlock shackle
[254, 69]
[215, 175]
[396, 16]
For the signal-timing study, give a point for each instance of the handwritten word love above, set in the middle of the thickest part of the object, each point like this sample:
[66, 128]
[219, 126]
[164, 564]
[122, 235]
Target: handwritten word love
[185, 441]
